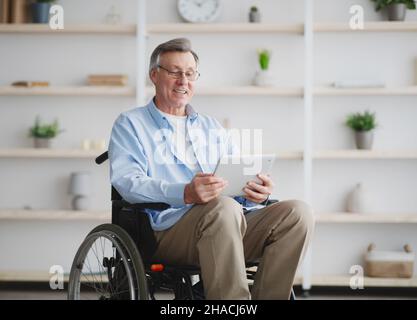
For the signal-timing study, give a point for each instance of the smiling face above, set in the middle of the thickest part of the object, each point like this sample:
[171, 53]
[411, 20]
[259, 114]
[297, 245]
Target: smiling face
[172, 95]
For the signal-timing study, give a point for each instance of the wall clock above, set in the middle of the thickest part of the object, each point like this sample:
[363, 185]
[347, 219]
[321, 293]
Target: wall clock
[199, 11]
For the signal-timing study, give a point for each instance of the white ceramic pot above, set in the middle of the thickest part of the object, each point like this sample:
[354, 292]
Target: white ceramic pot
[263, 78]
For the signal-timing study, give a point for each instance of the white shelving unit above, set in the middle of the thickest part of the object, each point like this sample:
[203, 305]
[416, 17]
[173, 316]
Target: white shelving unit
[205, 91]
[244, 91]
[55, 215]
[366, 154]
[368, 282]
[344, 218]
[307, 30]
[68, 91]
[374, 26]
[225, 28]
[31, 153]
[329, 91]
[105, 216]
[34, 28]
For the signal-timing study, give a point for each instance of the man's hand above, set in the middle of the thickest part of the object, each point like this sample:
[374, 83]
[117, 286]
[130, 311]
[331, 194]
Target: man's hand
[203, 188]
[256, 192]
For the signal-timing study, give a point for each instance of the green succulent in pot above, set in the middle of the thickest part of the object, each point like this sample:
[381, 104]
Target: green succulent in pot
[363, 124]
[44, 132]
[396, 9]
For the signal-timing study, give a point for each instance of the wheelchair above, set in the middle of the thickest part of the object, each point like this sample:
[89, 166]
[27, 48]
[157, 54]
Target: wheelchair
[114, 262]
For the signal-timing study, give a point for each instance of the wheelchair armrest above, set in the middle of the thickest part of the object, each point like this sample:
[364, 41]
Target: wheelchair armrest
[140, 206]
[102, 157]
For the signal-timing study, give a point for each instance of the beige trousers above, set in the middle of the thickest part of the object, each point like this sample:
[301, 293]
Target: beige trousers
[219, 238]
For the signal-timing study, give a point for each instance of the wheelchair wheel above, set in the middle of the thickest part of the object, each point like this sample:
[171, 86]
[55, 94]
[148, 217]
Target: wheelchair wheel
[107, 266]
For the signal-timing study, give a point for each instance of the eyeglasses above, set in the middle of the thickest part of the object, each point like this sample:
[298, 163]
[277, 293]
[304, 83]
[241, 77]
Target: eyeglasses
[190, 75]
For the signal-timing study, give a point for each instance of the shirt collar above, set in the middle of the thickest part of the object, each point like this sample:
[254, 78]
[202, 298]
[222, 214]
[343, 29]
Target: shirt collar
[160, 119]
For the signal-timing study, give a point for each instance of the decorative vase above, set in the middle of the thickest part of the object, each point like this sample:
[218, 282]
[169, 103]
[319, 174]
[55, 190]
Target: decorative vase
[40, 12]
[262, 78]
[80, 203]
[42, 142]
[80, 188]
[254, 16]
[396, 12]
[364, 139]
[355, 200]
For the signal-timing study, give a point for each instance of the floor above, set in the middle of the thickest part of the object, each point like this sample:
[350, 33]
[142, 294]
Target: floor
[30, 292]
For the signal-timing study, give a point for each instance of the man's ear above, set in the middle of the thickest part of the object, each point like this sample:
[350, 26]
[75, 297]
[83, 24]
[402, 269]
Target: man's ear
[153, 75]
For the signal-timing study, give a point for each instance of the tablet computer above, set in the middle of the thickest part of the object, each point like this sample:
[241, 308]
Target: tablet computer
[238, 170]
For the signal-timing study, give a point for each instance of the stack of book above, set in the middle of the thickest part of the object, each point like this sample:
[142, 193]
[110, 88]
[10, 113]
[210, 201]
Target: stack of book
[14, 11]
[30, 84]
[107, 80]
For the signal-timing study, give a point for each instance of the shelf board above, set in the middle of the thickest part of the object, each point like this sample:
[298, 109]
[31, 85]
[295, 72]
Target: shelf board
[91, 154]
[331, 91]
[344, 281]
[316, 280]
[68, 91]
[128, 29]
[60, 215]
[365, 154]
[250, 90]
[224, 28]
[371, 26]
[283, 154]
[346, 217]
[26, 276]
[34, 276]
[103, 215]
[50, 153]
[288, 155]
[203, 91]
[243, 91]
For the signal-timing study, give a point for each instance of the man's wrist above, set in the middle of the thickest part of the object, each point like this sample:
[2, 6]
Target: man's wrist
[187, 199]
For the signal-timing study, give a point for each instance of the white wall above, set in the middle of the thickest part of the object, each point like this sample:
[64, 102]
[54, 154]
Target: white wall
[228, 59]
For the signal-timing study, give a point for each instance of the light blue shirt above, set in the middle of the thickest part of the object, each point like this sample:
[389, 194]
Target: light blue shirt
[144, 166]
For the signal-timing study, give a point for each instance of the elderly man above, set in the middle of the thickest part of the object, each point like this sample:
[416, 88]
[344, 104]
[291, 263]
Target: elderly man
[163, 152]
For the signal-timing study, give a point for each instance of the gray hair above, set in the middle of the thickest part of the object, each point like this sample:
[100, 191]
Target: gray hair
[178, 44]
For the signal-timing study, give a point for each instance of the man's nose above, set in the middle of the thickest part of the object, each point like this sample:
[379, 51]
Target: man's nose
[183, 78]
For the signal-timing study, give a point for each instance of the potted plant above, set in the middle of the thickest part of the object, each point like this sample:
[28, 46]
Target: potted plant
[262, 76]
[396, 8]
[43, 133]
[363, 125]
[40, 11]
[254, 14]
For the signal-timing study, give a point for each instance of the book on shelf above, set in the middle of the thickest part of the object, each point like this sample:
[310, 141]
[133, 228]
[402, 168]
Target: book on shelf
[353, 84]
[107, 80]
[30, 84]
[18, 11]
[4, 11]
